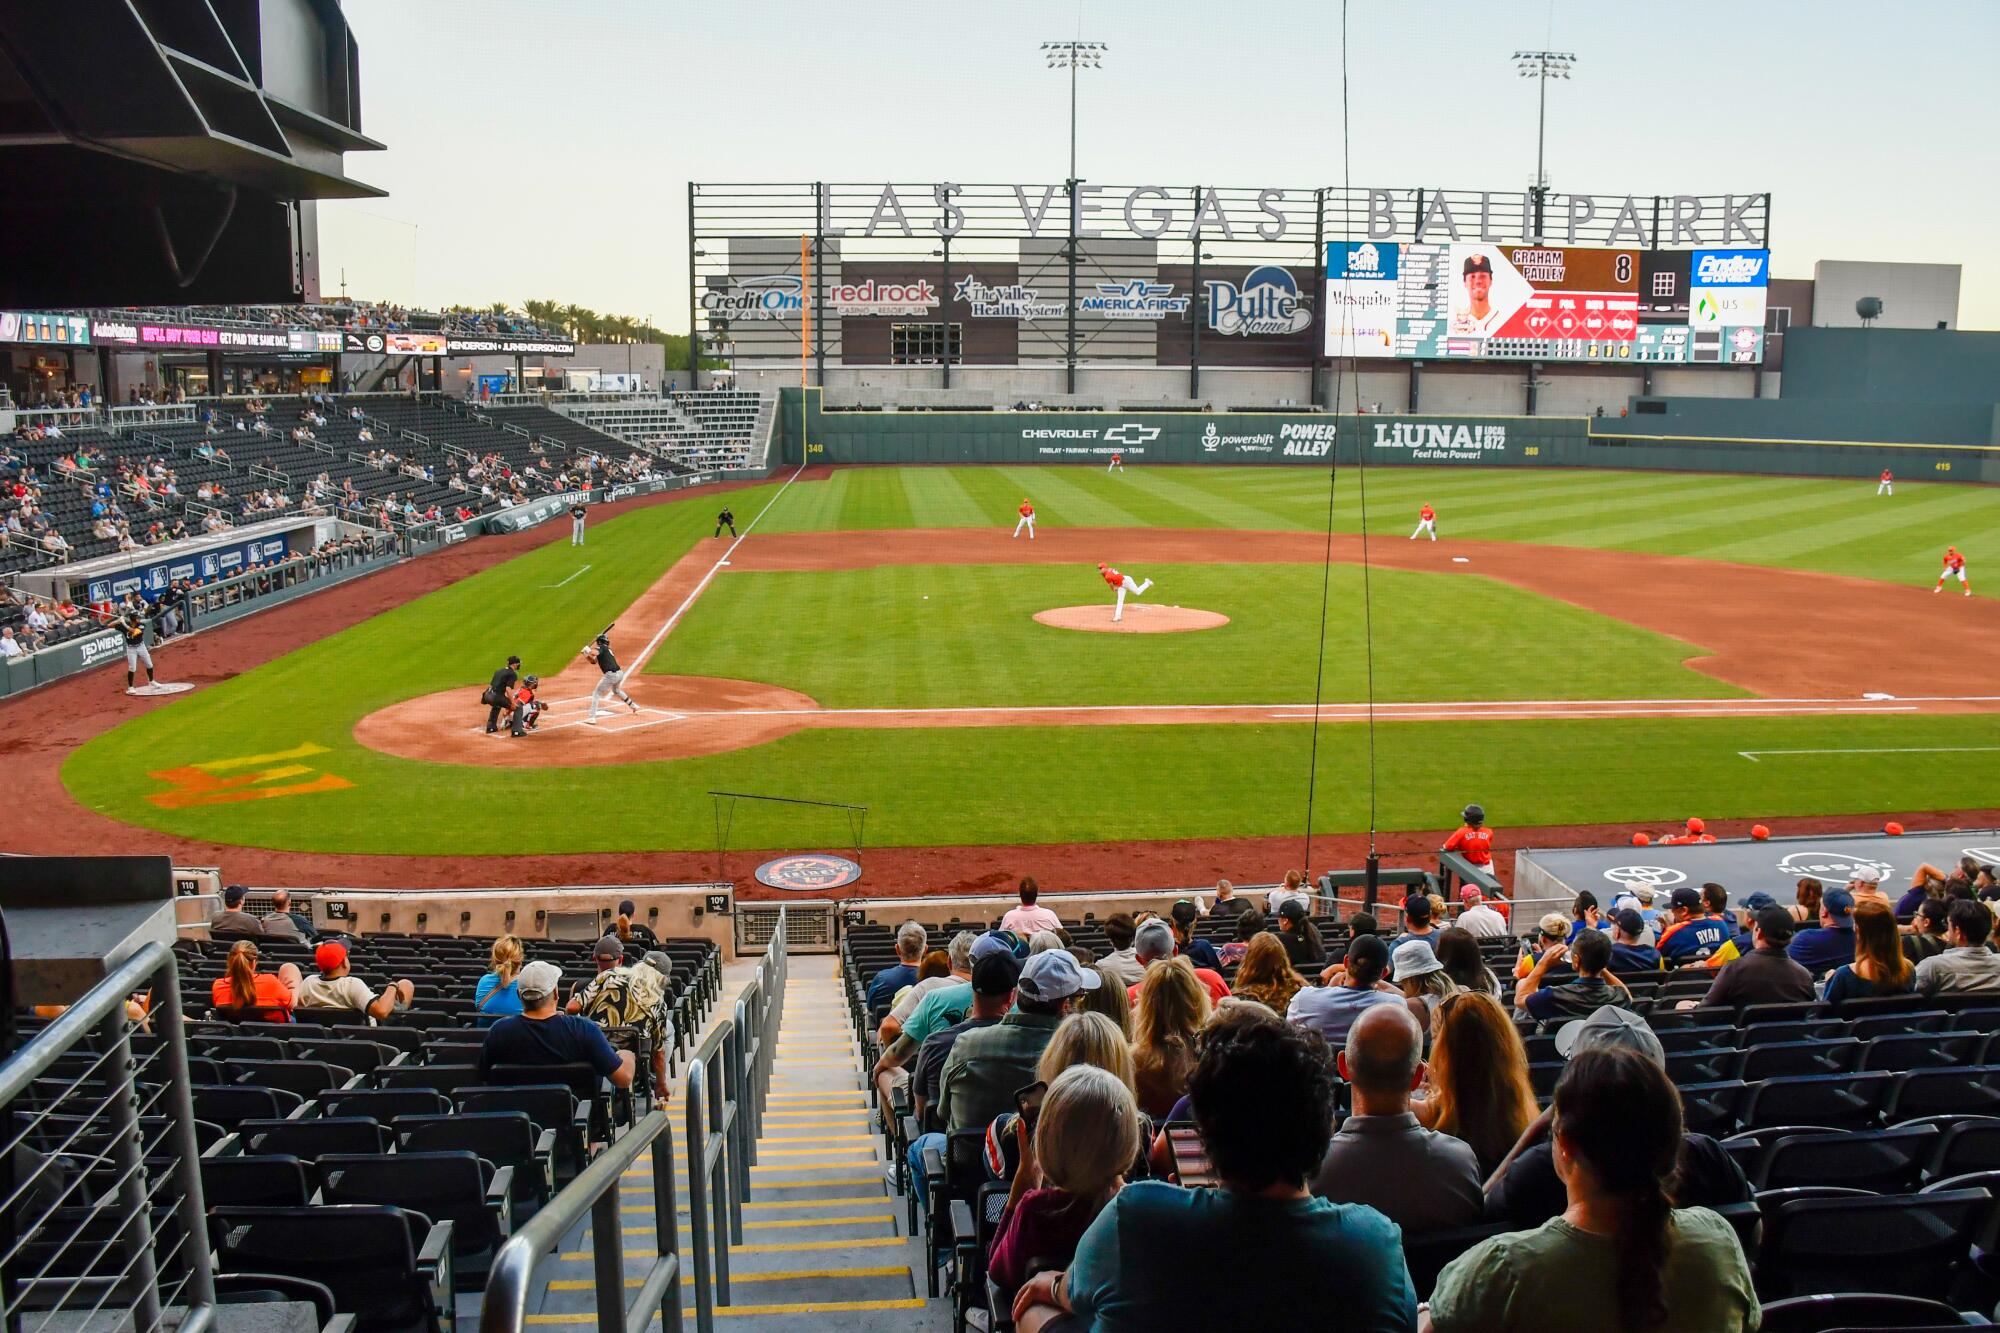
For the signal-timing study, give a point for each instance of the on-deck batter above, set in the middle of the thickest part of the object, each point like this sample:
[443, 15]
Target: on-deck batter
[133, 626]
[612, 683]
[1123, 583]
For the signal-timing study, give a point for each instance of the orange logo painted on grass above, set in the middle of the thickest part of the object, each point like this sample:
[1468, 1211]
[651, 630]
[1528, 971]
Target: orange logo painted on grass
[266, 778]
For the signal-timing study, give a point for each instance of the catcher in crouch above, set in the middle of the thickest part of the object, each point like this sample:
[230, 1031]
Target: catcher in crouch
[612, 682]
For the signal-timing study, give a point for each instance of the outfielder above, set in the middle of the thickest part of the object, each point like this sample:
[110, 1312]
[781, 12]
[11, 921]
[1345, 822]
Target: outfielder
[576, 513]
[1954, 563]
[1027, 520]
[133, 626]
[1886, 486]
[612, 682]
[1426, 522]
[1124, 583]
[1117, 463]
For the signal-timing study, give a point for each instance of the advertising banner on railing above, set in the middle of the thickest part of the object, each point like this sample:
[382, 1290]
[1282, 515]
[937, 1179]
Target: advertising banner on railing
[152, 579]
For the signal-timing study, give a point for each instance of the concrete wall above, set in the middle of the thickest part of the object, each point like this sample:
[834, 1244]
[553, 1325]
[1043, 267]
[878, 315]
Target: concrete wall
[1914, 296]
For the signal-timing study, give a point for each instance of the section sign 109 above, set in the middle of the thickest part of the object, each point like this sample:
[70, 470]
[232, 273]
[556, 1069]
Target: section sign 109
[1468, 301]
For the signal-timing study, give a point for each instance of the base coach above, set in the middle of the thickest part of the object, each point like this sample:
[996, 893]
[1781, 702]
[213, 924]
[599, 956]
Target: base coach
[499, 693]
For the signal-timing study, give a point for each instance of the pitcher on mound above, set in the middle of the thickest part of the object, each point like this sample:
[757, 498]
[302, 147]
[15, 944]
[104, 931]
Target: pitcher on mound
[1123, 583]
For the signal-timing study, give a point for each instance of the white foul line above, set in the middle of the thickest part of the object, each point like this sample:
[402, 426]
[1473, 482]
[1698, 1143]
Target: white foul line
[639, 662]
[584, 570]
[1751, 755]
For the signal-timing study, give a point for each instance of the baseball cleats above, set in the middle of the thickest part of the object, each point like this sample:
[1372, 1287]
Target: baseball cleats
[633, 704]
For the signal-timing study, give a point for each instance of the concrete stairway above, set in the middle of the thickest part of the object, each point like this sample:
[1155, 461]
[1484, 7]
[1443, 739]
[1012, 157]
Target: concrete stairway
[825, 1245]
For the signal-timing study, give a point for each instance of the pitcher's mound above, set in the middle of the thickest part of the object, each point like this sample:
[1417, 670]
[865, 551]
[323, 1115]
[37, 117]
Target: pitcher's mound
[1140, 618]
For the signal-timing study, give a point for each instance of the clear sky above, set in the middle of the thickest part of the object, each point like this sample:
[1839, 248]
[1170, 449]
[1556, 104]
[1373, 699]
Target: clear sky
[540, 149]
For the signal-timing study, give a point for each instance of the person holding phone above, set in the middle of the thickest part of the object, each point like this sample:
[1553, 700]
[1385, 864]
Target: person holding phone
[1075, 1134]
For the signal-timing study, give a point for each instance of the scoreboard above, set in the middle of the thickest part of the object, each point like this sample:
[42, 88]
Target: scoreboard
[1487, 301]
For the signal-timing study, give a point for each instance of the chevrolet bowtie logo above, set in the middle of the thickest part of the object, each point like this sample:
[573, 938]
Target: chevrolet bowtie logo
[1131, 432]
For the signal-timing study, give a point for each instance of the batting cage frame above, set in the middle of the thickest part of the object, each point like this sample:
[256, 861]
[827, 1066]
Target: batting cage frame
[724, 805]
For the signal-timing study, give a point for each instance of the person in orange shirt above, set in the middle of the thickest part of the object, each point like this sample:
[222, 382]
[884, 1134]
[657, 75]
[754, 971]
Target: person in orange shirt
[1954, 563]
[1886, 486]
[260, 995]
[527, 714]
[1426, 522]
[1027, 520]
[1473, 841]
[1123, 583]
[1117, 463]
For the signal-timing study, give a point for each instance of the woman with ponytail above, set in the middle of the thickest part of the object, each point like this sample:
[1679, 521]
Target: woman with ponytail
[1612, 1258]
[496, 995]
[260, 997]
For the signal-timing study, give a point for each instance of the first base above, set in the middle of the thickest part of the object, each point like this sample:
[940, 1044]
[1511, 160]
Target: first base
[155, 688]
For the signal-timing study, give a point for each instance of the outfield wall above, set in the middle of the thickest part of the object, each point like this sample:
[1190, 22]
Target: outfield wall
[1019, 438]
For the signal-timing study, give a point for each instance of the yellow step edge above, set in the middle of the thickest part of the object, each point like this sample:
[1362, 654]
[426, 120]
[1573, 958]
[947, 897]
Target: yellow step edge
[845, 1201]
[803, 1307]
[782, 1223]
[771, 1247]
[785, 1275]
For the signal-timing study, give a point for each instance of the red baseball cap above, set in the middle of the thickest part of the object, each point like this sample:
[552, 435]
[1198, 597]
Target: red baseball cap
[1641, 840]
[1695, 825]
[1759, 832]
[330, 956]
[1469, 892]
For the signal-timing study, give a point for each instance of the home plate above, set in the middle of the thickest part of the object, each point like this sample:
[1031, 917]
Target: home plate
[155, 688]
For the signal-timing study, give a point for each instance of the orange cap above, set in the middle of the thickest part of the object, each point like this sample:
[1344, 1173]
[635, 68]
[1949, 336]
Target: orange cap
[1641, 840]
[1759, 832]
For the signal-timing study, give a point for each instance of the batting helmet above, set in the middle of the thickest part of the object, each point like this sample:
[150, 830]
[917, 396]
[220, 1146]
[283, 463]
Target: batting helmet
[1474, 814]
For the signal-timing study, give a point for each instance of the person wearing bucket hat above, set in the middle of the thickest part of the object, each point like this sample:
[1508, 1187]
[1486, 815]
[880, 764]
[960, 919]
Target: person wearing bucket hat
[1415, 969]
[1525, 1190]
[986, 1067]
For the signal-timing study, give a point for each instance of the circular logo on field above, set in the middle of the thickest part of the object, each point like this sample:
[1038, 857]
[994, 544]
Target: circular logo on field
[1833, 867]
[1658, 877]
[803, 874]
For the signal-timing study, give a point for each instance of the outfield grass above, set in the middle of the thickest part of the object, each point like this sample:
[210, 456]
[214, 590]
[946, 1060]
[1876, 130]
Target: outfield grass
[1029, 785]
[1835, 526]
[964, 636]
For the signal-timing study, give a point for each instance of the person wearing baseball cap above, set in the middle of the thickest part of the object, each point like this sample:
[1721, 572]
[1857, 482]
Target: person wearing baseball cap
[334, 987]
[1694, 936]
[1475, 315]
[986, 1067]
[233, 922]
[993, 980]
[1864, 885]
[1593, 988]
[541, 1034]
[1765, 974]
[1819, 949]
[1525, 1190]
[1475, 916]
[1553, 928]
[1473, 840]
[1629, 951]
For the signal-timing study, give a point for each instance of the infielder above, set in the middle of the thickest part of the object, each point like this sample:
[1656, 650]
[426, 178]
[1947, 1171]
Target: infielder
[1886, 486]
[576, 513]
[1027, 520]
[612, 682]
[1124, 584]
[1117, 463]
[1426, 522]
[725, 519]
[1954, 563]
[133, 626]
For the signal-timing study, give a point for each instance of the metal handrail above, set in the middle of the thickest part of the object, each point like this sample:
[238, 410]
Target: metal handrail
[100, 1014]
[595, 1194]
[727, 1082]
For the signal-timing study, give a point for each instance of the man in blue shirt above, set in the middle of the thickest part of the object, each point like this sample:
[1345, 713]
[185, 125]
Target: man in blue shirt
[1819, 949]
[909, 952]
[1693, 936]
[539, 1035]
[1746, 919]
[1627, 953]
[1262, 1094]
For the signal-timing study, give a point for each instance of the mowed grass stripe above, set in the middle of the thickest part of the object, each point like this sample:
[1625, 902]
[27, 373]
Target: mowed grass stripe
[914, 781]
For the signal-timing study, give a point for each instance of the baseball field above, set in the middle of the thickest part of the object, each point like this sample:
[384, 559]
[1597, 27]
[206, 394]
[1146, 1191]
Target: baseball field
[1577, 648]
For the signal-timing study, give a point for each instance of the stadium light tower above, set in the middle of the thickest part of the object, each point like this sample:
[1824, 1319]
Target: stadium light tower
[1543, 66]
[1074, 56]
